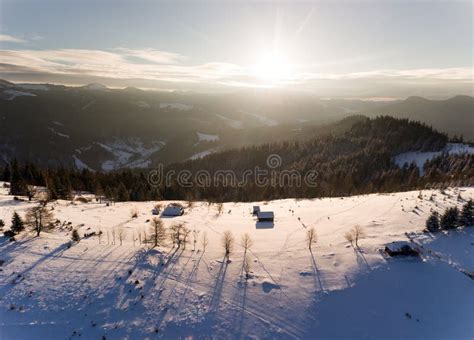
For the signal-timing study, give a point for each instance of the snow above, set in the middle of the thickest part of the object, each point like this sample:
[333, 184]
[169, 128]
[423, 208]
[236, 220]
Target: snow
[131, 153]
[142, 104]
[14, 93]
[96, 87]
[262, 119]
[176, 106]
[34, 87]
[203, 153]
[80, 164]
[420, 158]
[90, 290]
[58, 133]
[235, 124]
[203, 137]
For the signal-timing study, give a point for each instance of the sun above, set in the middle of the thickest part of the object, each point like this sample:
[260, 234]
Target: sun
[272, 68]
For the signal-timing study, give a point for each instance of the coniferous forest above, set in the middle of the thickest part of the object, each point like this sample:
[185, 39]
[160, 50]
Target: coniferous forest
[357, 161]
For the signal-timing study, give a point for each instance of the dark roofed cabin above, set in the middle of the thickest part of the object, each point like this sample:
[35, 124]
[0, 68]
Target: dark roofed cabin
[255, 210]
[401, 248]
[265, 216]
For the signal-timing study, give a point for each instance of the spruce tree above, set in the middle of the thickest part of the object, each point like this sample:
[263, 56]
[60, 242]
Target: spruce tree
[450, 218]
[17, 223]
[467, 218]
[17, 185]
[6, 173]
[432, 223]
[122, 193]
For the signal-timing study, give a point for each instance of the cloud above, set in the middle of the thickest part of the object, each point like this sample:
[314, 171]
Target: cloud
[155, 56]
[134, 67]
[9, 38]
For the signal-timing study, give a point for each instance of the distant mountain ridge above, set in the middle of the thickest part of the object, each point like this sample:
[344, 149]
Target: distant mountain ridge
[100, 128]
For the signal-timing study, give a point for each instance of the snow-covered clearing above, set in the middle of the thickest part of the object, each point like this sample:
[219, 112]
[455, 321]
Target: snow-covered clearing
[176, 106]
[235, 124]
[80, 164]
[48, 290]
[203, 154]
[420, 158]
[131, 153]
[34, 87]
[262, 119]
[14, 93]
[204, 137]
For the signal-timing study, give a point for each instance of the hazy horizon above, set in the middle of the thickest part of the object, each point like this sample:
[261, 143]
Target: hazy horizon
[388, 49]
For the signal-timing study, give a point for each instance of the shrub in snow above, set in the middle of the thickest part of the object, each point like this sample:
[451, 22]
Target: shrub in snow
[432, 223]
[134, 212]
[2, 224]
[75, 236]
[467, 218]
[10, 233]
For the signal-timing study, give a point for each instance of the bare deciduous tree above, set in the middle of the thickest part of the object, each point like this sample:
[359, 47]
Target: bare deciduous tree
[39, 218]
[113, 236]
[228, 242]
[158, 232]
[354, 235]
[204, 241]
[121, 235]
[195, 238]
[247, 242]
[179, 235]
[311, 237]
[31, 191]
[220, 207]
[247, 267]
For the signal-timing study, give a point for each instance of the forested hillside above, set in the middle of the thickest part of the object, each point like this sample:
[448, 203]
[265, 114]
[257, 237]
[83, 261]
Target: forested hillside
[354, 161]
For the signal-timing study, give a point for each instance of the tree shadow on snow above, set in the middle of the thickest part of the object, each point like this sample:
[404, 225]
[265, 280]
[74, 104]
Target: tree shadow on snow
[317, 273]
[218, 286]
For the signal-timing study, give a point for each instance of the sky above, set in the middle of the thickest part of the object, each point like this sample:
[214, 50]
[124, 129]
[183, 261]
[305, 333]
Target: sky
[329, 48]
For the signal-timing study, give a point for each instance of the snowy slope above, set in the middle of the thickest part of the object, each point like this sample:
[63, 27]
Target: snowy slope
[420, 158]
[127, 291]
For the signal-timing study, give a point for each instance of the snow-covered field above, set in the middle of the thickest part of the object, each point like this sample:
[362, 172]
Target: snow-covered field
[92, 289]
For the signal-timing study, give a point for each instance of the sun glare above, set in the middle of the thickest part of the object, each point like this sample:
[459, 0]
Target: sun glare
[272, 68]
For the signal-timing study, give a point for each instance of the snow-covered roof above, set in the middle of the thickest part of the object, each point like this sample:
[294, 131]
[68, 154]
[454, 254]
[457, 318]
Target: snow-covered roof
[265, 214]
[172, 210]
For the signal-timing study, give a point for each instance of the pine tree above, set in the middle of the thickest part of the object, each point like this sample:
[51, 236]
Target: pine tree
[17, 185]
[17, 224]
[432, 223]
[6, 175]
[122, 193]
[450, 218]
[467, 218]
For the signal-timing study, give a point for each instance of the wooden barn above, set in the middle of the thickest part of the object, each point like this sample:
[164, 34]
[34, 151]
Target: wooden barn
[401, 248]
[265, 216]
